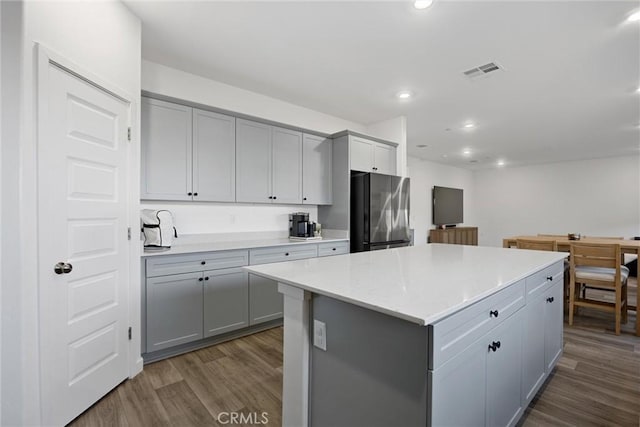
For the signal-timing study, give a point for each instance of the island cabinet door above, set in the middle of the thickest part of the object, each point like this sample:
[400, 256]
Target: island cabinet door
[553, 324]
[504, 370]
[533, 357]
[458, 389]
[226, 301]
[265, 302]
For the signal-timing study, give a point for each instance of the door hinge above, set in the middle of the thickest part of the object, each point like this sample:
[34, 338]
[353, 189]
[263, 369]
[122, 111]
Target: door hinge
[129, 333]
[129, 134]
[128, 233]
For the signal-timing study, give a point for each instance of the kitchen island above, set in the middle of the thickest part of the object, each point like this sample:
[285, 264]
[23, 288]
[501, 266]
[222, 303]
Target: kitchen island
[429, 335]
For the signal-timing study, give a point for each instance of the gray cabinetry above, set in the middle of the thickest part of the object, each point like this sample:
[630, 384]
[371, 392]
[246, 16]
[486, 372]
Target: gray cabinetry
[166, 131]
[317, 170]
[253, 162]
[174, 310]
[214, 157]
[269, 164]
[286, 171]
[265, 302]
[226, 294]
[187, 154]
[372, 156]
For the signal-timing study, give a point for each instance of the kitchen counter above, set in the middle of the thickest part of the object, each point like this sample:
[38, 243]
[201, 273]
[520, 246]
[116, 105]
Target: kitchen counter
[420, 284]
[409, 333]
[194, 243]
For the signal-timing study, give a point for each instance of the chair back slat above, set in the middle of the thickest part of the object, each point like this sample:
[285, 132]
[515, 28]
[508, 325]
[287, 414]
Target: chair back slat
[537, 245]
[603, 237]
[595, 255]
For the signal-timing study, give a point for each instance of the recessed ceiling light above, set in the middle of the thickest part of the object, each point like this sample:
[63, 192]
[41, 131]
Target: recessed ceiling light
[634, 17]
[466, 152]
[405, 94]
[500, 163]
[421, 145]
[422, 4]
[469, 125]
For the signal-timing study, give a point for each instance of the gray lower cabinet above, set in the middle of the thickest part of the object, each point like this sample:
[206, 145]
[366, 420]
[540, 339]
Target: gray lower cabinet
[226, 294]
[265, 302]
[174, 310]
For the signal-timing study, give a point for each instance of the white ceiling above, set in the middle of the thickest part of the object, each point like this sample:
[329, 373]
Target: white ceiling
[568, 92]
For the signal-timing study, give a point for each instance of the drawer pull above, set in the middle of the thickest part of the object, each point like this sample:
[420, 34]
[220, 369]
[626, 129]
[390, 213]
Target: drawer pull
[203, 262]
[550, 299]
[549, 278]
[200, 279]
[494, 346]
[333, 249]
[286, 254]
[206, 278]
[493, 313]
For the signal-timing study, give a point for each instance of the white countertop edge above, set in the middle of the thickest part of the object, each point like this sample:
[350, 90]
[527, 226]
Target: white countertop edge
[192, 248]
[404, 316]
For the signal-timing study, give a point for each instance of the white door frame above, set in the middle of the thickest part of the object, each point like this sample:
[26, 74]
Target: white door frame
[44, 56]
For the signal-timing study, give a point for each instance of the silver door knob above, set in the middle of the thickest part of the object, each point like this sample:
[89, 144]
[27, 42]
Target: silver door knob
[62, 268]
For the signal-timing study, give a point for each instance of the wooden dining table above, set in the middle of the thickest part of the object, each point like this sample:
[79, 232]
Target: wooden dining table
[563, 243]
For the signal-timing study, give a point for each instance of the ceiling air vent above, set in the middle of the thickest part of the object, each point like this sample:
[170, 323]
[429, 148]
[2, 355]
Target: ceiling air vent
[482, 70]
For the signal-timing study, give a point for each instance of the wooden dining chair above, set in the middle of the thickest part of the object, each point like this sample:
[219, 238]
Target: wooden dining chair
[598, 265]
[537, 244]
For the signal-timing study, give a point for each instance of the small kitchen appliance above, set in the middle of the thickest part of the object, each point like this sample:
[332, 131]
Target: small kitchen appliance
[300, 226]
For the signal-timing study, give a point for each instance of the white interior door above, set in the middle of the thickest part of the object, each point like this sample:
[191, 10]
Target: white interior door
[82, 196]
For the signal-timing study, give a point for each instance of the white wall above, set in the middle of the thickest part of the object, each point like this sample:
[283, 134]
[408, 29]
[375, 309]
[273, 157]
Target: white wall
[104, 38]
[230, 217]
[393, 130]
[424, 175]
[591, 197]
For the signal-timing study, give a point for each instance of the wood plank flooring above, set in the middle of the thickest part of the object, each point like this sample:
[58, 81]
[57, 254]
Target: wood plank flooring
[596, 383]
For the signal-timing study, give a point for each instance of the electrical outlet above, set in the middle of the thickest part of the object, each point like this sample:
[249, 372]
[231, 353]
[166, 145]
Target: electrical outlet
[319, 334]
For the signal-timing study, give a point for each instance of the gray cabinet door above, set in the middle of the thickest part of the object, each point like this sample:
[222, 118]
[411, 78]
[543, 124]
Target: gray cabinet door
[553, 324]
[265, 302]
[286, 163]
[316, 170]
[226, 301]
[214, 157]
[384, 158]
[174, 310]
[253, 162]
[361, 154]
[166, 151]
[533, 365]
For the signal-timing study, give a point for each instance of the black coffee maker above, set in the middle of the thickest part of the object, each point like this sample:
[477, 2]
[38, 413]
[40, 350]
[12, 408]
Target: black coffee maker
[300, 226]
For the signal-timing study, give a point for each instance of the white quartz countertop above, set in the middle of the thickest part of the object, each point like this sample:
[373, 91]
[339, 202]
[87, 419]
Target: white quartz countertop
[209, 243]
[421, 284]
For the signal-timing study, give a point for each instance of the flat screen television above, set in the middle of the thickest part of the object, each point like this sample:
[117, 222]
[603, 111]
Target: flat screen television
[447, 206]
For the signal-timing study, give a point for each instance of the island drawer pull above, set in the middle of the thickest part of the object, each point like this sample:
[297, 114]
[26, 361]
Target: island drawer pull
[494, 346]
[549, 278]
[493, 313]
[550, 299]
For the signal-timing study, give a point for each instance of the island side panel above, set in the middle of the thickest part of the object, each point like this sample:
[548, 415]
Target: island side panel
[374, 371]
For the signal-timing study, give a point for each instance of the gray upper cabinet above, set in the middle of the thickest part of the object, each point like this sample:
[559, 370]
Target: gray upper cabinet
[253, 162]
[317, 170]
[214, 157]
[269, 164]
[187, 154]
[286, 178]
[372, 156]
[166, 130]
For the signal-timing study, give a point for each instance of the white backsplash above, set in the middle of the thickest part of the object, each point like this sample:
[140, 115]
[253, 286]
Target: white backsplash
[224, 218]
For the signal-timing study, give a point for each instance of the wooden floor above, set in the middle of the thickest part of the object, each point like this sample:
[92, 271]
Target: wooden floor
[596, 383]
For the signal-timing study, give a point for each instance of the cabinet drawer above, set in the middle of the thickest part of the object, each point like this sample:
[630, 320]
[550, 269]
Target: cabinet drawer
[453, 334]
[282, 253]
[176, 264]
[333, 248]
[540, 281]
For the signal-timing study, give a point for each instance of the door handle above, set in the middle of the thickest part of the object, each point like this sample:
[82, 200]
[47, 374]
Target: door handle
[62, 268]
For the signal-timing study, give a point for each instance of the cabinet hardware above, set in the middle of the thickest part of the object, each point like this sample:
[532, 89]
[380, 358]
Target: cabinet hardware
[129, 333]
[274, 197]
[286, 254]
[333, 249]
[270, 197]
[206, 278]
[195, 194]
[203, 262]
[493, 313]
[304, 198]
[494, 346]
[550, 299]
[62, 268]
[199, 279]
[549, 278]
[189, 194]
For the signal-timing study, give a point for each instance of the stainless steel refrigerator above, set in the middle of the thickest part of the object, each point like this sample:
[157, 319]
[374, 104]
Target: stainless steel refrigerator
[379, 212]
